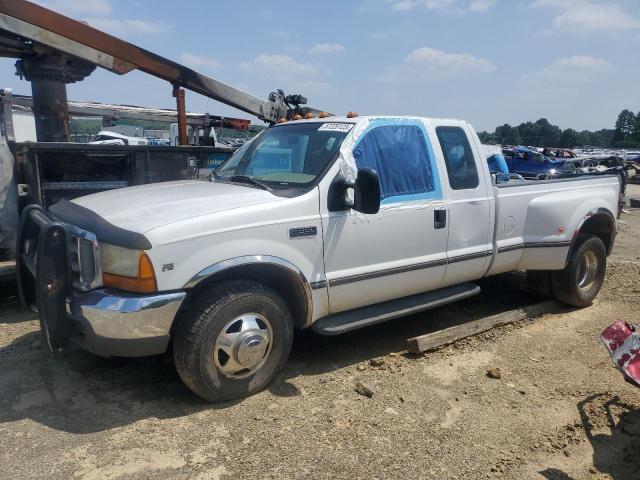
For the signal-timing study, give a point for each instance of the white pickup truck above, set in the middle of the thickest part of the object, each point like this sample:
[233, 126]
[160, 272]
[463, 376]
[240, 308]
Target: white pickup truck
[330, 223]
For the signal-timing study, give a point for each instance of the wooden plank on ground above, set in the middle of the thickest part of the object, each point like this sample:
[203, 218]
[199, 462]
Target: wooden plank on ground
[434, 340]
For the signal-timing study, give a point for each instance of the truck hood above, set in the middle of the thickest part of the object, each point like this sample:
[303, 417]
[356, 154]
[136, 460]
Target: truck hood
[143, 208]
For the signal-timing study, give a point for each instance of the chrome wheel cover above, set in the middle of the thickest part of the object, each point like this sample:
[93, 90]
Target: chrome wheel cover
[587, 270]
[243, 345]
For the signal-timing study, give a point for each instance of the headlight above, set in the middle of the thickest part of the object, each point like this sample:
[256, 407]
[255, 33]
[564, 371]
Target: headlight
[127, 269]
[552, 171]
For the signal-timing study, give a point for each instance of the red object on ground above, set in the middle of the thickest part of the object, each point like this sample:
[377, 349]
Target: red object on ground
[623, 342]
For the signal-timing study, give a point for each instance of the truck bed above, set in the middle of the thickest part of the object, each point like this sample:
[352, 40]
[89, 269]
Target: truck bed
[536, 221]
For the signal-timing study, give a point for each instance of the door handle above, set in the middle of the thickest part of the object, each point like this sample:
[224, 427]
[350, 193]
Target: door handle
[439, 218]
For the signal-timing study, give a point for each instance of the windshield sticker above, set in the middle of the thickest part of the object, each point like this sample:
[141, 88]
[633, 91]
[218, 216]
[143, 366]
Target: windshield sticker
[335, 127]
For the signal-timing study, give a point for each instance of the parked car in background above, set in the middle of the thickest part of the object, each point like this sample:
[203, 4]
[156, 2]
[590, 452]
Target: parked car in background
[106, 137]
[534, 165]
[558, 153]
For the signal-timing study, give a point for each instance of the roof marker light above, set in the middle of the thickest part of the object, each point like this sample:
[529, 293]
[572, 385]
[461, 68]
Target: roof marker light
[352, 115]
[324, 115]
[309, 115]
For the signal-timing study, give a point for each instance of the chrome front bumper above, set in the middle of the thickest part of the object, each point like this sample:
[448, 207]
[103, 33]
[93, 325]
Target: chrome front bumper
[56, 264]
[115, 323]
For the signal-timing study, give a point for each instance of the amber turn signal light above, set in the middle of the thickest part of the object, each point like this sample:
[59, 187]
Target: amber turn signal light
[145, 282]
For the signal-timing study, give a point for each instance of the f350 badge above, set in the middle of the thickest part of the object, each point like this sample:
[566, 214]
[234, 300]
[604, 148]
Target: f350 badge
[301, 232]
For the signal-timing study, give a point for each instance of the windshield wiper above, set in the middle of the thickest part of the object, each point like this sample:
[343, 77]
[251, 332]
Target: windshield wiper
[248, 179]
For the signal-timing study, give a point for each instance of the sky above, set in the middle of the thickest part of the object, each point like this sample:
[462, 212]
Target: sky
[574, 62]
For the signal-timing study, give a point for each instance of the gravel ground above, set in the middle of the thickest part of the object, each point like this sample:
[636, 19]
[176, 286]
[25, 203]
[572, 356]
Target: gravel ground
[558, 411]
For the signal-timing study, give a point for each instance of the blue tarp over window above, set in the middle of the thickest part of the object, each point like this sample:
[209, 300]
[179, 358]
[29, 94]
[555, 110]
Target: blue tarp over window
[400, 155]
[497, 164]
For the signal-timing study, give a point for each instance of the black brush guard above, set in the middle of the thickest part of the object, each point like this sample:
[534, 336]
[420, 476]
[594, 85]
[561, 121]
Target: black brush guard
[44, 274]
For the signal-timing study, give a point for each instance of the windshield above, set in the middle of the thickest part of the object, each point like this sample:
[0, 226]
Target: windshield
[290, 155]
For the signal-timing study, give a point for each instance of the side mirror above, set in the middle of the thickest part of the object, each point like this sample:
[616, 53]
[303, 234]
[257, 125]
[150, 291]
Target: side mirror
[363, 195]
[366, 197]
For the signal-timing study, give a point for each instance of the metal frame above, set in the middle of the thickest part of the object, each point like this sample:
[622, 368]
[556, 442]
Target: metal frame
[36, 23]
[114, 112]
[29, 168]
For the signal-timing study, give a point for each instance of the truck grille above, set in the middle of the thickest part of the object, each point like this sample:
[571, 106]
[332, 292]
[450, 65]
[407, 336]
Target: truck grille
[83, 254]
[84, 257]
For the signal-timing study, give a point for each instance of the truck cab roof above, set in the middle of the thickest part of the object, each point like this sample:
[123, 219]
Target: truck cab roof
[360, 118]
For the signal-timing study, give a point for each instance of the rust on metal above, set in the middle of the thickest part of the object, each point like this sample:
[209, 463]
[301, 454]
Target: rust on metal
[178, 93]
[87, 35]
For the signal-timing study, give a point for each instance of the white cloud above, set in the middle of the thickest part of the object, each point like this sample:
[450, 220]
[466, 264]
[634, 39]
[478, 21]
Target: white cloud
[568, 73]
[459, 6]
[482, 5]
[586, 16]
[581, 62]
[122, 28]
[404, 5]
[437, 4]
[75, 7]
[428, 63]
[323, 48]
[100, 14]
[280, 64]
[460, 62]
[199, 61]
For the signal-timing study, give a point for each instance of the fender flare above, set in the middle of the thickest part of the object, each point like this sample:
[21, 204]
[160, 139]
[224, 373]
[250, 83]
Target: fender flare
[264, 260]
[596, 212]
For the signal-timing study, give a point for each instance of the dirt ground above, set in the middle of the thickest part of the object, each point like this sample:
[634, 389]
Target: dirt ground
[559, 411]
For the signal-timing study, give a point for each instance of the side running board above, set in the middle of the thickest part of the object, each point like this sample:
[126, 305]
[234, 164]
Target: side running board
[381, 312]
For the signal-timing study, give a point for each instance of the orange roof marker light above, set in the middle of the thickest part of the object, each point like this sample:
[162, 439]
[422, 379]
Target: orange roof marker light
[352, 115]
[309, 115]
[324, 115]
[297, 116]
[282, 120]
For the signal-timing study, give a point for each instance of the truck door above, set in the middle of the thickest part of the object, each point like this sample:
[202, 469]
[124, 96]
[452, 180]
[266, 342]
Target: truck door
[401, 250]
[469, 245]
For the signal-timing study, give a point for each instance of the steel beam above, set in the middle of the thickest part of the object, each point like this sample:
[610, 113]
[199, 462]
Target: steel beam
[93, 109]
[50, 110]
[183, 138]
[58, 42]
[148, 62]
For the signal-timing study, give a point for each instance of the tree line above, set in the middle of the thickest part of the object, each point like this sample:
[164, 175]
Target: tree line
[625, 134]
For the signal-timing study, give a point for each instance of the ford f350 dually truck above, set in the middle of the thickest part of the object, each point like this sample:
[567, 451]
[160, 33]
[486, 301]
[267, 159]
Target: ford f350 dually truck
[329, 223]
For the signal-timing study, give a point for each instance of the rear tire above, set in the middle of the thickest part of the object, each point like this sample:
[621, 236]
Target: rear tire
[579, 283]
[233, 341]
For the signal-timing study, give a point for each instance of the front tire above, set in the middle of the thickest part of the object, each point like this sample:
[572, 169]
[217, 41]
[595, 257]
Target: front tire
[233, 341]
[579, 283]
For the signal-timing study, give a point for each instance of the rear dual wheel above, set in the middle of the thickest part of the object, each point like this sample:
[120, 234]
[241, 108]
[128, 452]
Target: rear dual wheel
[580, 281]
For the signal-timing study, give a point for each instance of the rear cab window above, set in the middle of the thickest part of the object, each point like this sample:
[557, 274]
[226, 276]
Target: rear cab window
[458, 157]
